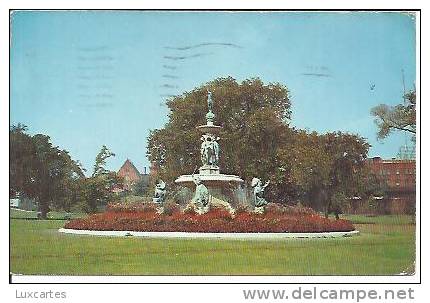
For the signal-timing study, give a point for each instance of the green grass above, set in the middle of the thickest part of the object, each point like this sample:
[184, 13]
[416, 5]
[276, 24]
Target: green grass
[23, 214]
[384, 219]
[38, 248]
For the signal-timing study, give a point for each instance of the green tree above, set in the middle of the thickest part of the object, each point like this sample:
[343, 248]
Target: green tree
[96, 191]
[141, 187]
[327, 168]
[401, 117]
[348, 155]
[42, 171]
[99, 165]
[310, 165]
[21, 158]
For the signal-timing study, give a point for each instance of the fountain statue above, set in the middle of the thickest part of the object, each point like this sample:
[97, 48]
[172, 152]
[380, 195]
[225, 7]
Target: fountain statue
[259, 201]
[223, 189]
[209, 150]
[160, 192]
[201, 196]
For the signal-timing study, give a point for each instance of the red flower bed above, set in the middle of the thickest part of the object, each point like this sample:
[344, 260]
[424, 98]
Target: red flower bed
[216, 220]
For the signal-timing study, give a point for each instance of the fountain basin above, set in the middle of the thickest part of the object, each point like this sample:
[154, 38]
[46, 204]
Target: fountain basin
[223, 187]
[209, 179]
[209, 129]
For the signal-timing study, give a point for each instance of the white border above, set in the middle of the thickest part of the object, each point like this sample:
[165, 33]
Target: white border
[82, 293]
[196, 235]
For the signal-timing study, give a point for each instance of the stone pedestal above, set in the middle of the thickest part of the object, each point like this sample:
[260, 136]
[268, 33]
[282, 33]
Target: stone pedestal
[209, 170]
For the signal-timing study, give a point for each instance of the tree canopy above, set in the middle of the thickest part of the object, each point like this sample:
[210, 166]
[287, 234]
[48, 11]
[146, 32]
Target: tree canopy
[96, 191]
[401, 117]
[42, 171]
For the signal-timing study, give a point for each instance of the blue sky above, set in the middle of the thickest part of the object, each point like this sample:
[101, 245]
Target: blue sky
[94, 78]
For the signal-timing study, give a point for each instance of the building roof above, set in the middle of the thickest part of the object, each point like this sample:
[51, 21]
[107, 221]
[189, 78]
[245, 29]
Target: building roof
[129, 170]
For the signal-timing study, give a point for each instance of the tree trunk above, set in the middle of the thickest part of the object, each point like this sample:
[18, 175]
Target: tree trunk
[328, 204]
[327, 209]
[43, 210]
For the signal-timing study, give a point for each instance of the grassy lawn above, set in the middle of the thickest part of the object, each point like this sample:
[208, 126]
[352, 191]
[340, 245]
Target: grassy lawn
[383, 219]
[56, 215]
[383, 248]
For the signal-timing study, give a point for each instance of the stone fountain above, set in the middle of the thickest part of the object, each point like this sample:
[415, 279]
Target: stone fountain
[226, 188]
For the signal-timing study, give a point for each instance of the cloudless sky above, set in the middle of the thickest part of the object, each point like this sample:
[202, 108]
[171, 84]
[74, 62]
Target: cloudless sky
[101, 77]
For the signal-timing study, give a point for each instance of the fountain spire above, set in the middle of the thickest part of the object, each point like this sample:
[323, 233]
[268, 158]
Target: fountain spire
[209, 149]
[218, 184]
[210, 116]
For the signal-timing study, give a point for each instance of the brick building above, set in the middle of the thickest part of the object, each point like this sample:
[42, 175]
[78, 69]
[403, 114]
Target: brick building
[130, 174]
[398, 176]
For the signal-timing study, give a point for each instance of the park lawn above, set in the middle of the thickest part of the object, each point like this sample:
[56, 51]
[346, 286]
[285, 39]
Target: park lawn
[55, 215]
[38, 248]
[380, 219]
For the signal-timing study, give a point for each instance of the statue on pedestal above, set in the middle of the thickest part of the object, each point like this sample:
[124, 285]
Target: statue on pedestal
[259, 201]
[209, 150]
[201, 196]
[160, 192]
